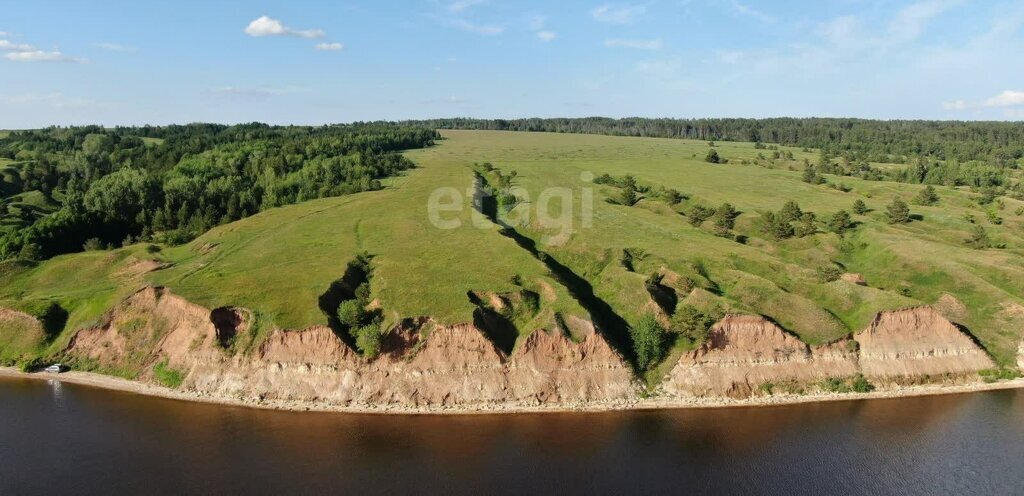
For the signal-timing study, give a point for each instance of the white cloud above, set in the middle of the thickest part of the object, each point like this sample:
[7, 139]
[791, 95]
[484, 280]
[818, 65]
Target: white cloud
[329, 47]
[751, 12]
[546, 35]
[1008, 98]
[266, 26]
[39, 56]
[840, 31]
[7, 46]
[618, 14]
[460, 5]
[114, 47]
[909, 22]
[483, 29]
[637, 44]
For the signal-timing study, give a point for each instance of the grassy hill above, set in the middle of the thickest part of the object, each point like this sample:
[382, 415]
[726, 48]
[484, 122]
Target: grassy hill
[279, 263]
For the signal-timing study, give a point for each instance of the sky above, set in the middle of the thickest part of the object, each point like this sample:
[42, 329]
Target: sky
[314, 62]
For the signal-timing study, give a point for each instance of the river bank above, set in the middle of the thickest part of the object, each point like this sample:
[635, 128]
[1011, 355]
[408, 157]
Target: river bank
[129, 386]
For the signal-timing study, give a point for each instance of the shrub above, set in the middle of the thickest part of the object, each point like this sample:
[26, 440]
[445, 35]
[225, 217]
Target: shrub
[829, 273]
[774, 226]
[167, 376]
[725, 217]
[672, 196]
[648, 341]
[790, 211]
[859, 207]
[31, 364]
[352, 313]
[693, 324]
[152, 249]
[897, 212]
[927, 196]
[861, 385]
[806, 226]
[699, 214]
[979, 239]
[712, 156]
[93, 244]
[995, 375]
[840, 222]
[368, 339]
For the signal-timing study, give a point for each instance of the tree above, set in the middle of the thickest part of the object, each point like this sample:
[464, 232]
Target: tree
[725, 219]
[628, 196]
[979, 239]
[698, 214]
[840, 222]
[790, 211]
[859, 207]
[648, 341]
[806, 226]
[927, 196]
[694, 324]
[776, 227]
[897, 212]
[712, 157]
[672, 196]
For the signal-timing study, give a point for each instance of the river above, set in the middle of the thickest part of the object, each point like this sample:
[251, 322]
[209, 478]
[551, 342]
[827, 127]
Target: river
[69, 439]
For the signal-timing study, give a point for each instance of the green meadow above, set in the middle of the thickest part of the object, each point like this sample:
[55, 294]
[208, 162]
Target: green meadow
[279, 262]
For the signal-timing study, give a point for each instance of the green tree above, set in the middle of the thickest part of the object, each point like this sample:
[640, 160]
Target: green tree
[628, 195]
[927, 196]
[776, 227]
[790, 211]
[840, 222]
[648, 341]
[725, 218]
[712, 157]
[859, 207]
[698, 214]
[979, 238]
[806, 226]
[897, 212]
[672, 196]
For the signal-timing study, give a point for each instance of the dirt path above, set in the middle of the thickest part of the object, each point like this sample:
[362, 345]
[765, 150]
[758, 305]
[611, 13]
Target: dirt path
[118, 384]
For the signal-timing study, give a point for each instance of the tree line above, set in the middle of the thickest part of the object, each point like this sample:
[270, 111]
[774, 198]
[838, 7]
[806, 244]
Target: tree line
[172, 183]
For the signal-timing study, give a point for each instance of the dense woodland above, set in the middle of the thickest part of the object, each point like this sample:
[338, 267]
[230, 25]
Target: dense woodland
[62, 189]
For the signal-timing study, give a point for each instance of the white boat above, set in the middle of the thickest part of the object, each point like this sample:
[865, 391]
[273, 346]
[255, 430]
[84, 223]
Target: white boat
[55, 368]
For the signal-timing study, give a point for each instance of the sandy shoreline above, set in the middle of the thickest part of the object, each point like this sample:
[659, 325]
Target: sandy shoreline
[124, 385]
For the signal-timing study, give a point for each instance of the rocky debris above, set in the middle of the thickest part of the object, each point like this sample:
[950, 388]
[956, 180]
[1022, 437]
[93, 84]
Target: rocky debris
[916, 342]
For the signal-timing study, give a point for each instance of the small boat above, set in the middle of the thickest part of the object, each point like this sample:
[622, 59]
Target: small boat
[55, 368]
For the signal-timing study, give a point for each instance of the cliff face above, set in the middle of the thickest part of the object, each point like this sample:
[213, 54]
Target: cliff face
[917, 342]
[420, 365]
[744, 351]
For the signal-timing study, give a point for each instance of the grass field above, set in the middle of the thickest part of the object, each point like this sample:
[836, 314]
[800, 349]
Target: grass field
[279, 262]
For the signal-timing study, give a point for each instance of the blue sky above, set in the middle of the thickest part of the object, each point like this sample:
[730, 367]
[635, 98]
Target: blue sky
[310, 62]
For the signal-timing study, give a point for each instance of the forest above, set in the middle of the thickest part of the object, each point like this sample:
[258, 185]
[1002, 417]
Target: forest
[65, 189]
[1001, 143]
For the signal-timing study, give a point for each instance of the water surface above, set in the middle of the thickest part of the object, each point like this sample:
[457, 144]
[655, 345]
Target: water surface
[68, 439]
